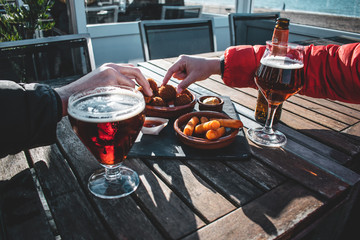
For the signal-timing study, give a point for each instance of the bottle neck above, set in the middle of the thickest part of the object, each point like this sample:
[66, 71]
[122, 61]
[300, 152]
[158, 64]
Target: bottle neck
[280, 36]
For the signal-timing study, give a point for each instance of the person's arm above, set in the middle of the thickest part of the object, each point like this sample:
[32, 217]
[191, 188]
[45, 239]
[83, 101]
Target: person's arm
[333, 72]
[29, 114]
[240, 64]
[329, 71]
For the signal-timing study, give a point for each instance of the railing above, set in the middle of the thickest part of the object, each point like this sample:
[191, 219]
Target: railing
[65, 57]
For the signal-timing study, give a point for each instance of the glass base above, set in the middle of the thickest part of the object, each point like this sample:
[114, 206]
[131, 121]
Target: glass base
[120, 185]
[263, 138]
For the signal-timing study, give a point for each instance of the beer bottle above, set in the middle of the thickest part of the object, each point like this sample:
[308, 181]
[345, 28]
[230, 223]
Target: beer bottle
[281, 36]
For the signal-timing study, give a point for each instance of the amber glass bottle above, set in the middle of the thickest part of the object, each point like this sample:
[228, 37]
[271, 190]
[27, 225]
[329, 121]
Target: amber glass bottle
[281, 36]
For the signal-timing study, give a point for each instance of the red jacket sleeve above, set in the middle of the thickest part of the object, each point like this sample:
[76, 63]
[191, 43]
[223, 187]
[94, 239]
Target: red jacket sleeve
[240, 64]
[330, 71]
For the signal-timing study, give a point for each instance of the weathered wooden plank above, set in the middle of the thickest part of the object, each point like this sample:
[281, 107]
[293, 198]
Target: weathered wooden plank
[12, 165]
[258, 173]
[119, 215]
[305, 112]
[171, 213]
[225, 180]
[278, 212]
[353, 131]
[300, 170]
[65, 196]
[350, 105]
[337, 108]
[126, 220]
[22, 215]
[323, 162]
[199, 194]
[321, 133]
[312, 151]
[314, 146]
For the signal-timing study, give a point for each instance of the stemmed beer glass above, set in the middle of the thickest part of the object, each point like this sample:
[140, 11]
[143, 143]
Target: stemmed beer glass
[108, 120]
[279, 76]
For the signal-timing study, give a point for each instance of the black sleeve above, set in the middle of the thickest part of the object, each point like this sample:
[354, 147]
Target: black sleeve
[222, 65]
[29, 115]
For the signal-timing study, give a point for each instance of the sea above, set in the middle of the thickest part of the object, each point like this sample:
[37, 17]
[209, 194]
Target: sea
[337, 7]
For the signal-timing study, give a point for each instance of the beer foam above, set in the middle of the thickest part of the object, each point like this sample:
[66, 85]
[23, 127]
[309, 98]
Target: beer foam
[281, 62]
[111, 106]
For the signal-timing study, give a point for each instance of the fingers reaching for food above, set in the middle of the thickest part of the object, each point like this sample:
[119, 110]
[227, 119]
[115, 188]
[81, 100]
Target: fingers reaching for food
[166, 95]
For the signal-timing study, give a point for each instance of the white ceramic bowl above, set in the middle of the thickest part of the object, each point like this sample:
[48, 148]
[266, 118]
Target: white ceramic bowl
[154, 125]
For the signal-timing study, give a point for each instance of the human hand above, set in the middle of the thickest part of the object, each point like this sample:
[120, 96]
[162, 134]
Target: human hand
[105, 75]
[190, 69]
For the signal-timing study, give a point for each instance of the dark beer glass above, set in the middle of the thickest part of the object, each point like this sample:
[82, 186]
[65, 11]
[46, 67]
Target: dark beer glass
[278, 78]
[108, 120]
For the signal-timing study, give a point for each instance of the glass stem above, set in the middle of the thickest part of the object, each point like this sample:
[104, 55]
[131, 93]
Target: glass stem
[112, 173]
[270, 118]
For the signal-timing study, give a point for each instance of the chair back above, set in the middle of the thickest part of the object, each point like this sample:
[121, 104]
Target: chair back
[51, 60]
[176, 12]
[171, 38]
[251, 28]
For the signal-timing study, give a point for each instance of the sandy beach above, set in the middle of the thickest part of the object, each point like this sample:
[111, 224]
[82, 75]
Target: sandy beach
[349, 24]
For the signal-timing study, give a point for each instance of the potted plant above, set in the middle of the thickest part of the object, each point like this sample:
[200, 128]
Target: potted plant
[27, 21]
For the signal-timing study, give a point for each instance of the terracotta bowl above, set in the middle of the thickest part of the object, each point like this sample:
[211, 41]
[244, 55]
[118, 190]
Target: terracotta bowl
[203, 143]
[170, 112]
[210, 107]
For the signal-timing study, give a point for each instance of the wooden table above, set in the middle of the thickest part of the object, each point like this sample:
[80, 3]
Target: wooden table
[303, 189]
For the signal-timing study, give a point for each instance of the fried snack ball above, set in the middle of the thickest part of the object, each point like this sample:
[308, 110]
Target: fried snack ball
[167, 92]
[182, 99]
[153, 85]
[157, 101]
[147, 98]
